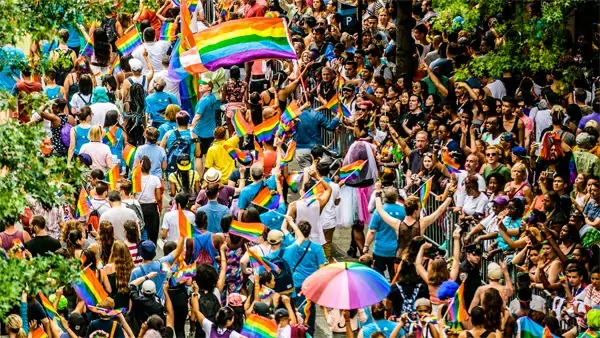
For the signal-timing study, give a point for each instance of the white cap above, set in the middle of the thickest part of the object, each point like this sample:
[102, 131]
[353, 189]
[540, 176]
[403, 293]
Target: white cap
[148, 288]
[135, 64]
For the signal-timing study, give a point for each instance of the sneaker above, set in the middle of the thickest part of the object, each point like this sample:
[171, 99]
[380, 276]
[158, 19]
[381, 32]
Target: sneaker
[352, 252]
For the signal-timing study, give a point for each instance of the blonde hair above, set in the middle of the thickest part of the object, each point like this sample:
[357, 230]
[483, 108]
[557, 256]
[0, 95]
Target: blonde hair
[14, 323]
[96, 133]
[520, 167]
[171, 112]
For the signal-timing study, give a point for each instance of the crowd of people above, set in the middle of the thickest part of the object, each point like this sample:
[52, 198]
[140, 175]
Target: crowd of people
[507, 169]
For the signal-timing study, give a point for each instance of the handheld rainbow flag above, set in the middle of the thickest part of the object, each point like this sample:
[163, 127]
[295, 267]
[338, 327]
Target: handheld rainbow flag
[267, 200]
[89, 288]
[260, 156]
[128, 155]
[48, 306]
[371, 120]
[239, 123]
[88, 50]
[111, 136]
[527, 328]
[185, 273]
[424, 191]
[352, 170]
[457, 312]
[449, 162]
[168, 31]
[249, 231]
[344, 56]
[117, 66]
[311, 195]
[112, 176]
[186, 229]
[341, 83]
[289, 154]
[39, 333]
[293, 179]
[259, 327]
[84, 204]
[236, 154]
[257, 261]
[136, 179]
[186, 82]
[291, 112]
[105, 312]
[588, 334]
[238, 41]
[345, 111]
[306, 309]
[192, 4]
[129, 42]
[334, 104]
[266, 130]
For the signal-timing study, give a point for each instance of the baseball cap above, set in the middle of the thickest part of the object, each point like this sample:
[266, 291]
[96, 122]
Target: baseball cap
[148, 287]
[147, 250]
[76, 322]
[281, 313]
[520, 151]
[262, 309]
[348, 86]
[500, 200]
[183, 162]
[507, 137]
[474, 248]
[274, 236]
[135, 64]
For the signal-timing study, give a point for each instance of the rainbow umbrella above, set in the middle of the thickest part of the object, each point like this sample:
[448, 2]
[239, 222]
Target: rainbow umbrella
[346, 285]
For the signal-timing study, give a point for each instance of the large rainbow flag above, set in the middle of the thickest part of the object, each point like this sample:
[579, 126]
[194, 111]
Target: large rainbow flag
[129, 42]
[238, 41]
[259, 327]
[527, 328]
[89, 288]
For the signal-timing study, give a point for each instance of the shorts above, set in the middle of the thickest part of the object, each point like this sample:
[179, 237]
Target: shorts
[205, 144]
[258, 85]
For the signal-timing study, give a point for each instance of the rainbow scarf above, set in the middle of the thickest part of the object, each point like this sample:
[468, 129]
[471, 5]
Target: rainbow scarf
[424, 192]
[239, 123]
[266, 130]
[289, 155]
[236, 154]
[128, 155]
[292, 180]
[84, 205]
[111, 136]
[257, 261]
[259, 327]
[136, 179]
[129, 42]
[313, 194]
[334, 104]
[186, 229]
[112, 176]
[352, 170]
[249, 231]
[88, 50]
[238, 41]
[89, 288]
[291, 112]
[267, 200]
[168, 31]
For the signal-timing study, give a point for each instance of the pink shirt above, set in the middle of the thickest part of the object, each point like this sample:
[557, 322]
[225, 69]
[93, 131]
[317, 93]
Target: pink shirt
[100, 154]
[527, 122]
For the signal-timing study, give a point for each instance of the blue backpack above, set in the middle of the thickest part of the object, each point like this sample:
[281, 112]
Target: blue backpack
[180, 146]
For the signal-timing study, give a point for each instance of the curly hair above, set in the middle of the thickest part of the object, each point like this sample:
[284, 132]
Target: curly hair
[437, 272]
[123, 262]
[106, 234]
[68, 227]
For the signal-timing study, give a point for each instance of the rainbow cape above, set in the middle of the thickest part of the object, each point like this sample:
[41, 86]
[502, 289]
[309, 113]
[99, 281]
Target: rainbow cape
[334, 104]
[168, 31]
[527, 328]
[267, 200]
[291, 112]
[449, 162]
[236, 154]
[314, 193]
[129, 42]
[136, 179]
[106, 312]
[239, 123]
[289, 154]
[112, 176]
[259, 327]
[89, 288]
[111, 136]
[293, 179]
[266, 130]
[186, 229]
[352, 170]
[249, 231]
[257, 261]
[424, 192]
[128, 155]
[238, 41]
[84, 205]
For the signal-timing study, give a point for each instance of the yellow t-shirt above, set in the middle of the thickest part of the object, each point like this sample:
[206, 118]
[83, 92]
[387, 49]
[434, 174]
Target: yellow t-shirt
[194, 178]
[218, 158]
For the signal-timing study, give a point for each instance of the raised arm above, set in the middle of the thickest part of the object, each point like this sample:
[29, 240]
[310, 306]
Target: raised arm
[223, 272]
[419, 262]
[428, 220]
[389, 220]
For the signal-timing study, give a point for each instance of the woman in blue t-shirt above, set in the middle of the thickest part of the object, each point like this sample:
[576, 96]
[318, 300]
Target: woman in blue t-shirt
[115, 137]
[79, 133]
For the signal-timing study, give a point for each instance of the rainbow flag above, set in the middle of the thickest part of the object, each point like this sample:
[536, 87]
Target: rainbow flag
[187, 83]
[345, 111]
[306, 309]
[88, 50]
[314, 193]
[168, 31]
[39, 333]
[352, 170]
[236, 154]
[266, 130]
[293, 179]
[89, 288]
[84, 205]
[289, 154]
[239, 123]
[257, 261]
[260, 156]
[267, 200]
[334, 104]
[371, 121]
[106, 312]
[589, 334]
[359, 71]
[48, 306]
[128, 155]
[136, 179]
[424, 192]
[238, 41]
[344, 56]
[111, 136]
[341, 83]
[291, 112]
[265, 292]
[249, 231]
[259, 327]
[449, 162]
[129, 42]
[186, 229]
[112, 176]
[184, 273]
[457, 312]
[192, 4]
[117, 66]
[527, 328]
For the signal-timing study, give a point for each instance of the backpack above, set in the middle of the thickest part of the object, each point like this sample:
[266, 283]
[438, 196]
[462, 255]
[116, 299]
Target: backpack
[283, 278]
[209, 305]
[65, 132]
[299, 331]
[408, 305]
[138, 211]
[61, 71]
[109, 25]
[382, 70]
[94, 218]
[180, 146]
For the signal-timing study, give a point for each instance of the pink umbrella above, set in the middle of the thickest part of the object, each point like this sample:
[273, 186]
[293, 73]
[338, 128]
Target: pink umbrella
[346, 285]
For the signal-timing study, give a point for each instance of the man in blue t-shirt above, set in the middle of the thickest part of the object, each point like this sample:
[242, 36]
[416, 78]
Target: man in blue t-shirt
[157, 102]
[205, 121]
[156, 154]
[183, 119]
[386, 238]
[258, 183]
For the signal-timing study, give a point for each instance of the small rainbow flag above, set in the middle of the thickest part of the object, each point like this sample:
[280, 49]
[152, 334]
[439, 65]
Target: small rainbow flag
[266, 130]
[359, 71]
[111, 136]
[260, 156]
[587, 334]
[314, 193]
[117, 66]
[186, 229]
[289, 154]
[344, 56]
[168, 31]
[352, 170]
[239, 123]
[265, 292]
[267, 200]
[88, 50]
[293, 179]
[306, 310]
[257, 261]
[192, 4]
[334, 104]
[527, 328]
[259, 327]
[345, 111]
[112, 176]
[291, 112]
[249, 231]
[185, 273]
[449, 162]
[457, 312]
[129, 42]
[39, 333]
[136, 179]
[236, 154]
[371, 121]
[48, 306]
[106, 312]
[84, 205]
[128, 155]
[424, 191]
[89, 288]
[341, 83]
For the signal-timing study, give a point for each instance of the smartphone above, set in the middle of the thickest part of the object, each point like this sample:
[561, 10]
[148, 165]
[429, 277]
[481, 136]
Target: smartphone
[537, 150]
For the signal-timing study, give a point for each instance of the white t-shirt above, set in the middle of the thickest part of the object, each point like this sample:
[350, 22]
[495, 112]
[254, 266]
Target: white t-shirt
[171, 223]
[149, 184]
[475, 205]
[461, 193]
[285, 332]
[156, 51]
[117, 217]
[79, 101]
[99, 111]
[207, 327]
[100, 154]
[328, 218]
[100, 205]
[497, 89]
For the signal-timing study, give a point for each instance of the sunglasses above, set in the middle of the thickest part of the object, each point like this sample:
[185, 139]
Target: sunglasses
[491, 154]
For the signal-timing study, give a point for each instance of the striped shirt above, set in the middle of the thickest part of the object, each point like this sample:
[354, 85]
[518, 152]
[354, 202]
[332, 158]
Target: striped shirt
[133, 250]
